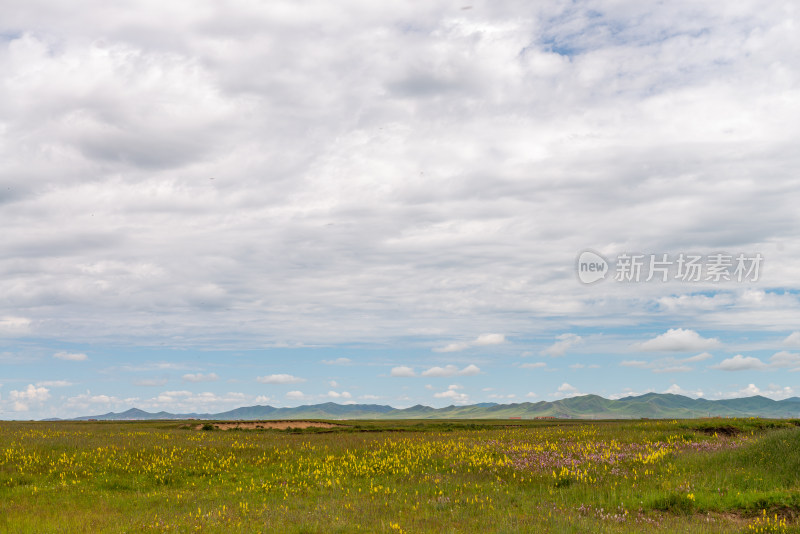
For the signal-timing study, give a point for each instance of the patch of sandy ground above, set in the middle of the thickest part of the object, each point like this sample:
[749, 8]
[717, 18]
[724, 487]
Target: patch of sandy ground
[281, 425]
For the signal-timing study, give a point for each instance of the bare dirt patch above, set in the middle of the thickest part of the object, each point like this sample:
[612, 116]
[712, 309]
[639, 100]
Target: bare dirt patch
[254, 425]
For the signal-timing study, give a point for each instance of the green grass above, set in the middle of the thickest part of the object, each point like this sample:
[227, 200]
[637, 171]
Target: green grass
[720, 475]
[761, 476]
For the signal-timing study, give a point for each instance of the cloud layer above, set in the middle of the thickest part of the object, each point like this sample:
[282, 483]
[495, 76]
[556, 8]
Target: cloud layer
[255, 180]
[410, 165]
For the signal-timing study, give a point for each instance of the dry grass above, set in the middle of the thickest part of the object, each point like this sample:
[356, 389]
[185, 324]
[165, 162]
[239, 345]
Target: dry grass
[255, 425]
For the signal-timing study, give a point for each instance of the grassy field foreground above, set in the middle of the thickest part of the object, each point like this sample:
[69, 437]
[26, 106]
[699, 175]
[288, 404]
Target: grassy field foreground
[718, 475]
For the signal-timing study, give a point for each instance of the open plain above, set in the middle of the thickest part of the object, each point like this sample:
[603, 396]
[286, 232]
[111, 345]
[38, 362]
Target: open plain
[715, 475]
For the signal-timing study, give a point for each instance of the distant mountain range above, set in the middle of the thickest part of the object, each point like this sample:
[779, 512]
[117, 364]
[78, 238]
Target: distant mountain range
[650, 405]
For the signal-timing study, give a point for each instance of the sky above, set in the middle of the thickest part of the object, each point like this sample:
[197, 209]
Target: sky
[207, 205]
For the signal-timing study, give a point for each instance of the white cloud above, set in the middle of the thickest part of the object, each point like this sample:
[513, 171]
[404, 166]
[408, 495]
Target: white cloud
[31, 393]
[564, 343]
[489, 339]
[14, 326]
[750, 390]
[698, 358]
[178, 393]
[674, 369]
[469, 370]
[566, 390]
[675, 389]
[772, 391]
[152, 366]
[338, 361]
[452, 347]
[779, 360]
[502, 397]
[452, 370]
[71, 356]
[369, 397]
[87, 401]
[792, 340]
[54, 383]
[182, 401]
[200, 377]
[280, 379]
[531, 395]
[448, 370]
[175, 401]
[295, 395]
[453, 394]
[695, 303]
[577, 366]
[168, 397]
[785, 359]
[403, 371]
[628, 392]
[24, 398]
[678, 340]
[481, 341]
[533, 365]
[669, 364]
[740, 363]
[338, 395]
[333, 384]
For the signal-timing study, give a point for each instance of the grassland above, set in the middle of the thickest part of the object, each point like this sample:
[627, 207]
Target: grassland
[719, 475]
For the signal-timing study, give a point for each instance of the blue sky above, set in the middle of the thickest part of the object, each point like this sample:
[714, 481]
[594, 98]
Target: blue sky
[207, 208]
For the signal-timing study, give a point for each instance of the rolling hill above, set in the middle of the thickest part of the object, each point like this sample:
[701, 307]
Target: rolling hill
[650, 405]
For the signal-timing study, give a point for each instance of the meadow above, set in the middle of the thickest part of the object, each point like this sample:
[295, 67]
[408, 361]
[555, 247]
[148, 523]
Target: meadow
[716, 475]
